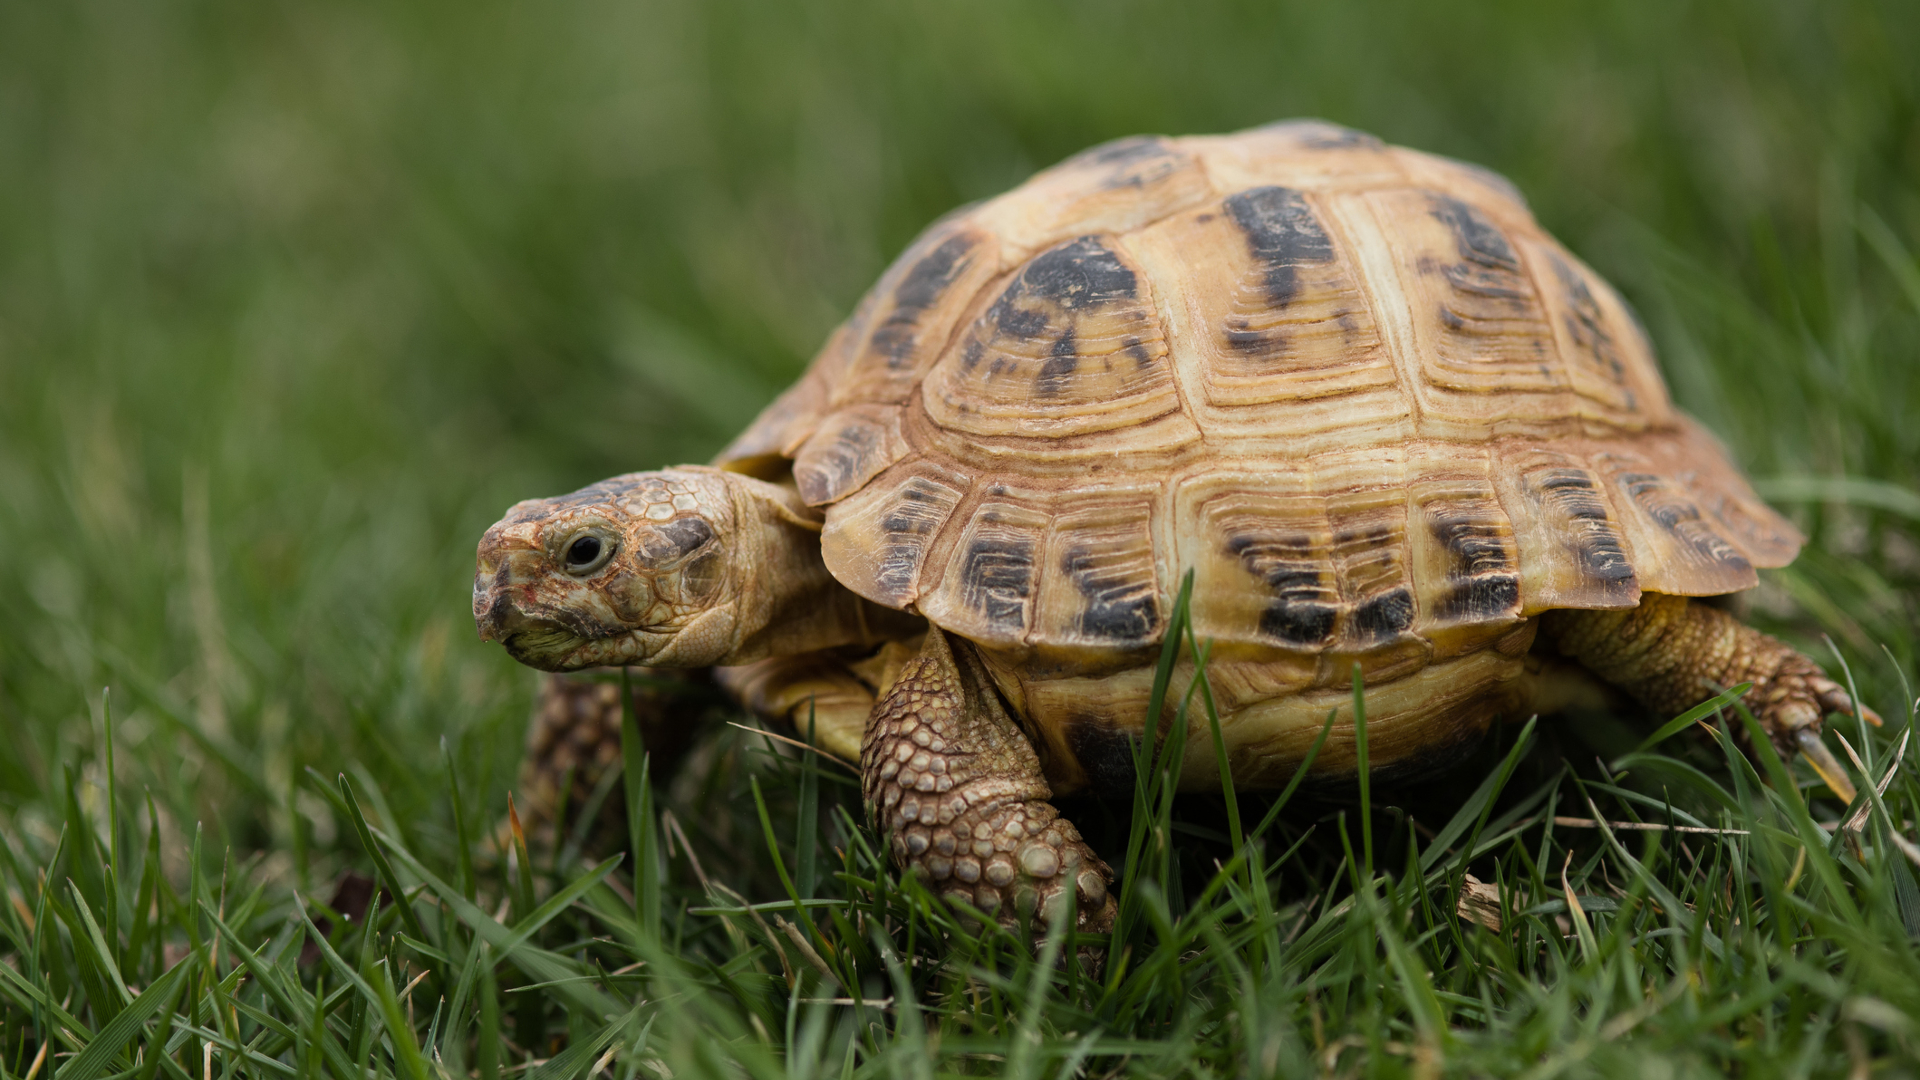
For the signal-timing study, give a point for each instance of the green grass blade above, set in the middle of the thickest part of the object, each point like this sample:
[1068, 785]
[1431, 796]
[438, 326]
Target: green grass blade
[33, 997]
[1689, 718]
[101, 1049]
[406, 1051]
[571, 1062]
[1473, 813]
[779, 863]
[1366, 773]
[511, 945]
[806, 829]
[381, 866]
[487, 1048]
[102, 950]
[643, 835]
[1300, 773]
[1227, 794]
[462, 831]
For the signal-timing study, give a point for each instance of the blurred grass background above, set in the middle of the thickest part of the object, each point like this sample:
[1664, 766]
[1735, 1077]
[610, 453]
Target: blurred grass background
[295, 298]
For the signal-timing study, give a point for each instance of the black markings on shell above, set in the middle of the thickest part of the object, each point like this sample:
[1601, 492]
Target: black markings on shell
[1586, 325]
[1281, 233]
[1382, 618]
[1482, 585]
[1071, 277]
[1323, 135]
[1294, 571]
[918, 509]
[1122, 151]
[1078, 274]
[1677, 514]
[1760, 536]
[1493, 336]
[1132, 162]
[1071, 346]
[1572, 500]
[1369, 556]
[829, 473]
[1478, 240]
[1059, 367]
[1122, 601]
[997, 579]
[897, 336]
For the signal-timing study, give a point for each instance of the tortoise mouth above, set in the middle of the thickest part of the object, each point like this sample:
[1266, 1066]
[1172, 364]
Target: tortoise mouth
[544, 638]
[548, 649]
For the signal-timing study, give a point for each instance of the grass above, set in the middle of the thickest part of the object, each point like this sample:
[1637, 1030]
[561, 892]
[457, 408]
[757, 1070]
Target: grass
[1685, 911]
[294, 299]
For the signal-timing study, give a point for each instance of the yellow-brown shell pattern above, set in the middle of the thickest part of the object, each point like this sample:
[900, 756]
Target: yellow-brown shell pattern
[1355, 388]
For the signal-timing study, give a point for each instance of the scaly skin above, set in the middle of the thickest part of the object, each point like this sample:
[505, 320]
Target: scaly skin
[958, 789]
[1672, 653]
[576, 730]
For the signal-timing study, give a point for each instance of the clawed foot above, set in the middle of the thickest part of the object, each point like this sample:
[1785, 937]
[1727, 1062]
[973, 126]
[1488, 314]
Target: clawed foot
[1673, 653]
[1015, 862]
[959, 791]
[1792, 705]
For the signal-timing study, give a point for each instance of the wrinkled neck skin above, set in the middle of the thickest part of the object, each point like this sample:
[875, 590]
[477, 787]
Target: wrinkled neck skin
[787, 603]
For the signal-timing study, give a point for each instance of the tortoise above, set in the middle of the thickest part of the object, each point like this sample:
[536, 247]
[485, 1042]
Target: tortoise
[1382, 417]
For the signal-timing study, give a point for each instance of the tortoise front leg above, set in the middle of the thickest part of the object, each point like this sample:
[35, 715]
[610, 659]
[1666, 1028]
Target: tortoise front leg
[959, 791]
[1672, 653]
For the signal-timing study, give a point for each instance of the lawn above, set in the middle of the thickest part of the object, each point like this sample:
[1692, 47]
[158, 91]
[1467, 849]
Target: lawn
[295, 299]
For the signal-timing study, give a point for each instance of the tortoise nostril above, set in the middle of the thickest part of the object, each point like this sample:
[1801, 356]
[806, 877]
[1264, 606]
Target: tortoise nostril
[492, 621]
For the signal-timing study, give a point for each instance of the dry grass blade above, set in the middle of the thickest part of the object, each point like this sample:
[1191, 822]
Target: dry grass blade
[800, 942]
[1644, 826]
[1479, 902]
[1858, 819]
[809, 747]
[1906, 846]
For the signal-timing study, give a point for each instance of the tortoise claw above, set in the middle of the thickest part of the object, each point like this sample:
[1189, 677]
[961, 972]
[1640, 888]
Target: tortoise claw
[1824, 763]
[1834, 698]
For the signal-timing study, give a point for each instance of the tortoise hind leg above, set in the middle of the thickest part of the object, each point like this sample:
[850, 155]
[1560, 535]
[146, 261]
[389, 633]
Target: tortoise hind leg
[1672, 653]
[959, 791]
[574, 741]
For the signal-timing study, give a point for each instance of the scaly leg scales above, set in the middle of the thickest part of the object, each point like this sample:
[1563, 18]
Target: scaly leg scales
[1672, 653]
[960, 793]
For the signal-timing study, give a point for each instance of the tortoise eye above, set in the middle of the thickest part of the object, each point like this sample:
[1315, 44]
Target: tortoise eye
[587, 554]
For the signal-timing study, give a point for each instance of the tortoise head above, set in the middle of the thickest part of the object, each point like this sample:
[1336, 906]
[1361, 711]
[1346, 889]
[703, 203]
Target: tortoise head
[647, 568]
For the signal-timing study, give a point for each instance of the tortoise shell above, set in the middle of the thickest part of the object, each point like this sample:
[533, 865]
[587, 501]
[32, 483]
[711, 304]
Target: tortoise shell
[1381, 415]
[1355, 387]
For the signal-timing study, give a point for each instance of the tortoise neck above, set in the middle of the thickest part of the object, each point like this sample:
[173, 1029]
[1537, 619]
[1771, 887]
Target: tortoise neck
[787, 601]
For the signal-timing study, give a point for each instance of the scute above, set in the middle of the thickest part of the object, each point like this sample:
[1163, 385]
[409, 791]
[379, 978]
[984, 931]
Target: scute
[881, 536]
[1382, 416]
[1071, 346]
[847, 449]
[1482, 328]
[1102, 551]
[1111, 189]
[1068, 569]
